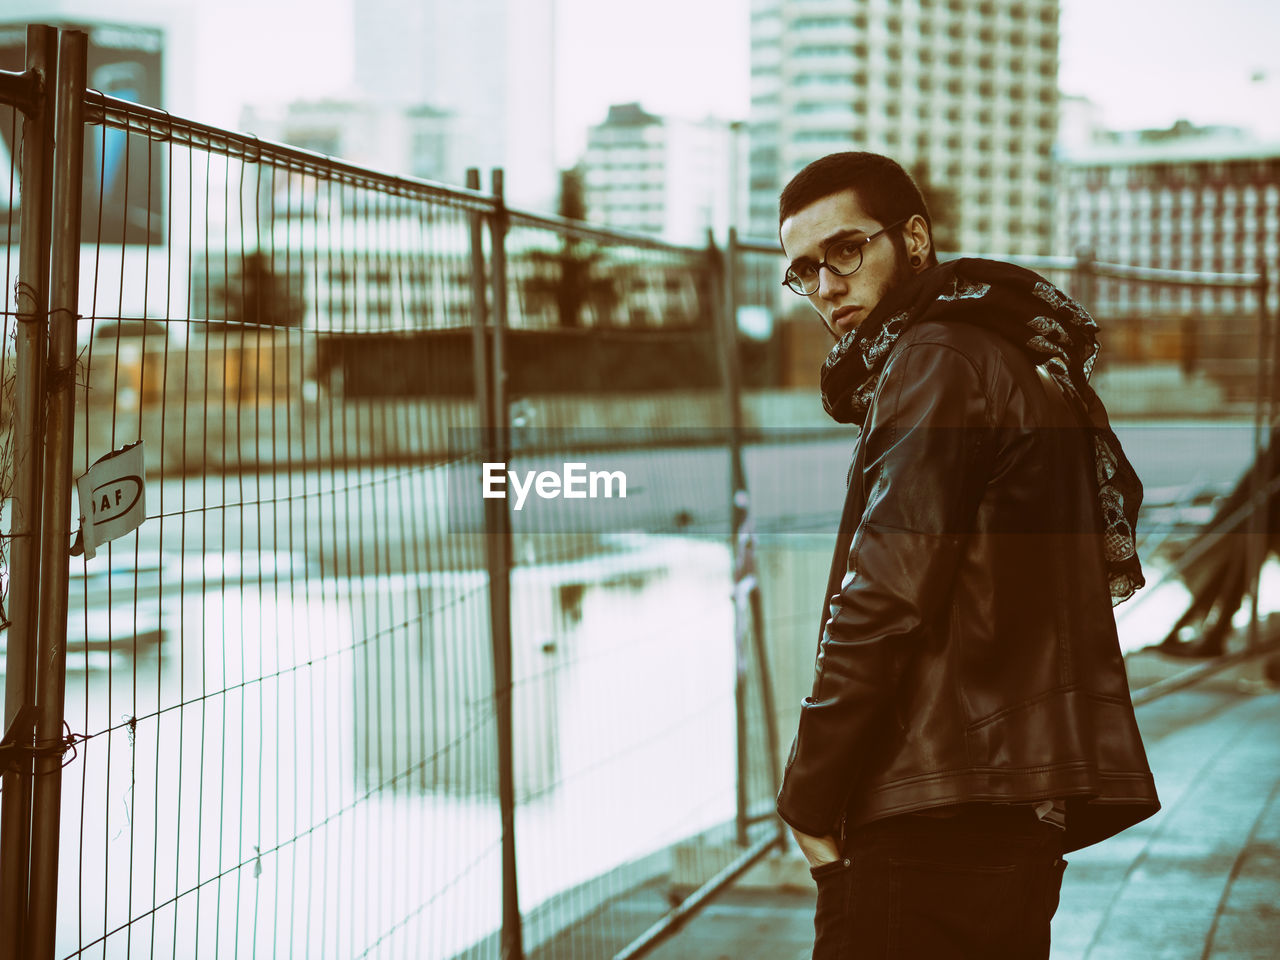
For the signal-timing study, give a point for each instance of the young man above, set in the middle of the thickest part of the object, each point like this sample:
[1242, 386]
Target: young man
[970, 719]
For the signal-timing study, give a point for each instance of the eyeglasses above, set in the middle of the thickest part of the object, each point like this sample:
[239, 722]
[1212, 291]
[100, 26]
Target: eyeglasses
[843, 258]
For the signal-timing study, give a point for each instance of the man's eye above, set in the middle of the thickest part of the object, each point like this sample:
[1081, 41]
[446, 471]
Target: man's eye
[846, 249]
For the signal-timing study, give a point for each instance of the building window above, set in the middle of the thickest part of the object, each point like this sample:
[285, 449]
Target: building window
[809, 24]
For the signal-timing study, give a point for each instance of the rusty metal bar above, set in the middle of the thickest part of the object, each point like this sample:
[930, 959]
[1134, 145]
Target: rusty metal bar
[1255, 545]
[1201, 671]
[20, 659]
[498, 549]
[51, 673]
[688, 907]
[479, 316]
[160, 126]
[725, 325]
[25, 90]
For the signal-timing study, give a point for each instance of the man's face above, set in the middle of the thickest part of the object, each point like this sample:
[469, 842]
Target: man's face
[844, 302]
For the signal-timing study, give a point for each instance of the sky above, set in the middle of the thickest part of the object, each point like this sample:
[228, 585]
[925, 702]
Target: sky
[1195, 59]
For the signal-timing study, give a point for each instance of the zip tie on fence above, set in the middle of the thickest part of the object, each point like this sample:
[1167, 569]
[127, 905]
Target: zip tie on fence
[55, 382]
[23, 289]
[62, 378]
[17, 755]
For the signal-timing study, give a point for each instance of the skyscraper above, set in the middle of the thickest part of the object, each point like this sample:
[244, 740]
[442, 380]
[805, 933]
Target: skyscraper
[660, 175]
[1205, 199]
[488, 63]
[963, 93]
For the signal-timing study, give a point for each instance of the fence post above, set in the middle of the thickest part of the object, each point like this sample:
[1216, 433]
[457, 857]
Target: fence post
[1083, 280]
[28, 410]
[1273, 398]
[479, 316]
[1256, 551]
[739, 506]
[55, 541]
[498, 554]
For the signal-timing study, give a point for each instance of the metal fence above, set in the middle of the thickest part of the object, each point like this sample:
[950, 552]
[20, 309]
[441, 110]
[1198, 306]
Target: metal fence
[329, 700]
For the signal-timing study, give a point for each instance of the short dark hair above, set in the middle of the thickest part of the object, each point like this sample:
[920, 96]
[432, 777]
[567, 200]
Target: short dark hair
[885, 190]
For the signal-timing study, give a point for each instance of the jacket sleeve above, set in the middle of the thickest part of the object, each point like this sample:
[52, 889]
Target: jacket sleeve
[923, 476]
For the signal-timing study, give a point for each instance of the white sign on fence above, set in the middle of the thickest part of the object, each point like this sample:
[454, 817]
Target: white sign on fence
[113, 499]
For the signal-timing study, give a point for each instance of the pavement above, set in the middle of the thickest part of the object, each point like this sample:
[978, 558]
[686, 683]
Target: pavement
[1201, 879]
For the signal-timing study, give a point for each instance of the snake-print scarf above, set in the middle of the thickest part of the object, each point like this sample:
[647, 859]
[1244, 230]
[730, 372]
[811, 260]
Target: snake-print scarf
[1053, 329]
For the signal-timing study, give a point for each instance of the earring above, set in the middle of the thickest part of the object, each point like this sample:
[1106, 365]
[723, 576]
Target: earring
[915, 261]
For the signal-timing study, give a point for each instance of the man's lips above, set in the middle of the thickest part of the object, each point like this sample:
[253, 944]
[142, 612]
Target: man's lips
[844, 317]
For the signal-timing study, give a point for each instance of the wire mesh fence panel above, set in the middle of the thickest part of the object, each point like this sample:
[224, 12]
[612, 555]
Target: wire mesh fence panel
[622, 613]
[283, 683]
[276, 675]
[1202, 336]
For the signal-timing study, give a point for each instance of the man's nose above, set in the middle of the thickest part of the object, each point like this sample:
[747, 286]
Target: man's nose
[831, 283]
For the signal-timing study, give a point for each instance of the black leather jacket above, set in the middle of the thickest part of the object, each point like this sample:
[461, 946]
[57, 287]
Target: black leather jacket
[968, 652]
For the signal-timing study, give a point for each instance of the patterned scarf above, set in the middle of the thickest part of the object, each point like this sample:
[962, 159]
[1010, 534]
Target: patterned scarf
[1054, 330]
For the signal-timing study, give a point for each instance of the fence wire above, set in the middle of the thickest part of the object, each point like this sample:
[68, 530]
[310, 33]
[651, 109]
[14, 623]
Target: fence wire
[258, 670]
[284, 680]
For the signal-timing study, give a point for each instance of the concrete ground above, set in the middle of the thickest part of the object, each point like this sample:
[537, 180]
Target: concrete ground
[1201, 879]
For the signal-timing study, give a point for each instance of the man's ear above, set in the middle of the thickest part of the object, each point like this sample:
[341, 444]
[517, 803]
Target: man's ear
[918, 243]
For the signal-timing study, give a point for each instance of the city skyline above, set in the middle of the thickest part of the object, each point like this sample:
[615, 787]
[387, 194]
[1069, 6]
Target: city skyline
[691, 60]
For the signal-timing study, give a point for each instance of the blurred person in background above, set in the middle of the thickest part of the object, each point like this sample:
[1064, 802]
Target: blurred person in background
[1218, 566]
[970, 719]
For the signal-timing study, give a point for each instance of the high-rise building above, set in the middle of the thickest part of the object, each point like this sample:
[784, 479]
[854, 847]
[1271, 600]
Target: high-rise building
[1204, 199]
[487, 63]
[413, 140]
[660, 175]
[962, 92]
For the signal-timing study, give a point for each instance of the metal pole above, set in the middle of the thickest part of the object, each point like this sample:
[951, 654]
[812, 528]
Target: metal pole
[735, 180]
[28, 410]
[1256, 547]
[739, 505]
[51, 673]
[643, 945]
[1084, 281]
[1272, 505]
[766, 698]
[479, 319]
[498, 550]
[1274, 383]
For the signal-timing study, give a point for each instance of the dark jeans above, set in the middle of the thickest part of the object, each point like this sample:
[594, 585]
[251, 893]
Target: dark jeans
[981, 885]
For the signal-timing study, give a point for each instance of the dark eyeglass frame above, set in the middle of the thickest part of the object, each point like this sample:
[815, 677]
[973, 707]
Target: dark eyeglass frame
[862, 242]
